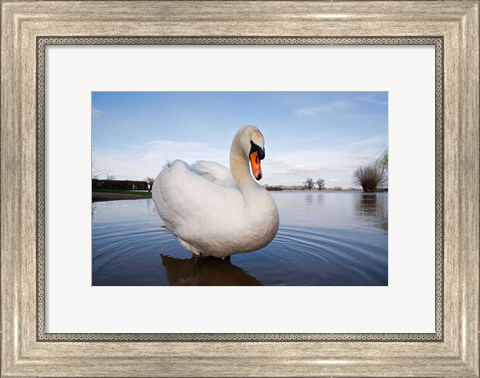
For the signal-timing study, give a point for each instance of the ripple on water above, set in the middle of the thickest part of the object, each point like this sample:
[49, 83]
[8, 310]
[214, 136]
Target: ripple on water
[130, 247]
[317, 257]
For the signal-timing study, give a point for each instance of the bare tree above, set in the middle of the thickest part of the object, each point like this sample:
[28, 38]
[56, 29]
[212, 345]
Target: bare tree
[95, 171]
[309, 183]
[383, 160]
[321, 184]
[110, 177]
[370, 176]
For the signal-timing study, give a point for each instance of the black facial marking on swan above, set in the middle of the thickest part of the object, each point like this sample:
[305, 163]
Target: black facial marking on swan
[257, 148]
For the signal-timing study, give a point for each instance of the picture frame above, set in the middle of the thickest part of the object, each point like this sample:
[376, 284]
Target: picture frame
[26, 350]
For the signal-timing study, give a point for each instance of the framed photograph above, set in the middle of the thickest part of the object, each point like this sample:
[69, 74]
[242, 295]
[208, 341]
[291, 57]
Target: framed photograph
[161, 158]
[305, 230]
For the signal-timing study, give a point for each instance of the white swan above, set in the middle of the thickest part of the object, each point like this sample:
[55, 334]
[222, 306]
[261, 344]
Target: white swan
[215, 211]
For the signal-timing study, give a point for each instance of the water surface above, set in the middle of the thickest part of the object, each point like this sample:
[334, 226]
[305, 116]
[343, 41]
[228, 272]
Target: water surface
[325, 238]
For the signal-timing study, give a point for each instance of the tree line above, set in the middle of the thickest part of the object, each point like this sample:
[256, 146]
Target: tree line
[309, 184]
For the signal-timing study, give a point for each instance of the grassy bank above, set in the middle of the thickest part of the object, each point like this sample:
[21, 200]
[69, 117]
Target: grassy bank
[116, 195]
[136, 192]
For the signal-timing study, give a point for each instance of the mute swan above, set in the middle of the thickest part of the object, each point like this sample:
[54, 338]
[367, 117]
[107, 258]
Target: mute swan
[215, 211]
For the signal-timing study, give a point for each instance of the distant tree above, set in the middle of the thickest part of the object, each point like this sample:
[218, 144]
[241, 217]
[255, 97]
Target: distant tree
[309, 184]
[370, 176]
[321, 184]
[110, 177]
[95, 171]
[383, 160]
[150, 181]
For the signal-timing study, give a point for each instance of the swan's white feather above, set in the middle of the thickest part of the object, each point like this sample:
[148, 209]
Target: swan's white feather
[184, 201]
[214, 172]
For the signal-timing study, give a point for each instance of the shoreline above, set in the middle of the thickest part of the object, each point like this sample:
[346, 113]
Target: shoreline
[112, 196]
[106, 196]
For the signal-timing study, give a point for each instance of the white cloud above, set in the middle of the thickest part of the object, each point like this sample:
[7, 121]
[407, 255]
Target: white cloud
[281, 165]
[294, 168]
[96, 112]
[372, 99]
[188, 151]
[334, 164]
[140, 161]
[327, 107]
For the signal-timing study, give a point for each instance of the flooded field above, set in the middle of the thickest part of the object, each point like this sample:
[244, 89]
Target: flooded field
[328, 238]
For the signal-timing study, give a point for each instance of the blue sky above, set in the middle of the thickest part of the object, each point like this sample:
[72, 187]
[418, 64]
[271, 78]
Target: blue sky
[307, 134]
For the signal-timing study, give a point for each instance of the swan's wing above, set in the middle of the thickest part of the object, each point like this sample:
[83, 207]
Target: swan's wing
[214, 172]
[183, 196]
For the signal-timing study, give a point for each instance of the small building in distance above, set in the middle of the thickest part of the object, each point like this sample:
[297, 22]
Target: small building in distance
[119, 184]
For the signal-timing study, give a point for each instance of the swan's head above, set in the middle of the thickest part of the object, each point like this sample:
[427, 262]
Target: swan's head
[253, 144]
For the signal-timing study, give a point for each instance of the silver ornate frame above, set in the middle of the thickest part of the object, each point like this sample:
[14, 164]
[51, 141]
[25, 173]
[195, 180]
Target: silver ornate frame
[453, 350]
[43, 42]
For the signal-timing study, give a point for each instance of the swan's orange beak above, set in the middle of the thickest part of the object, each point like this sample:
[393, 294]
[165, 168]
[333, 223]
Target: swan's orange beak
[255, 163]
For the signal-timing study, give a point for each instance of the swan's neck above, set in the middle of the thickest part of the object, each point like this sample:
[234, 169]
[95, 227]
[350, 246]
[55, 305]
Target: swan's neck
[261, 211]
[239, 166]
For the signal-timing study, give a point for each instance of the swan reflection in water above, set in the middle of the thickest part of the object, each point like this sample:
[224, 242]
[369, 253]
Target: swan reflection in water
[207, 271]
